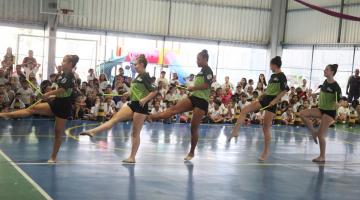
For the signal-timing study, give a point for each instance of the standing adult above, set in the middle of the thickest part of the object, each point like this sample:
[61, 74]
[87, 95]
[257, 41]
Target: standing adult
[353, 87]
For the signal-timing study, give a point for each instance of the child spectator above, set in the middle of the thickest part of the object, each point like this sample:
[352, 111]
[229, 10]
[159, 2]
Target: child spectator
[216, 115]
[288, 117]
[243, 101]
[258, 118]
[250, 93]
[17, 104]
[122, 102]
[79, 108]
[226, 95]
[27, 94]
[297, 120]
[230, 114]
[3, 79]
[343, 112]
[157, 108]
[91, 75]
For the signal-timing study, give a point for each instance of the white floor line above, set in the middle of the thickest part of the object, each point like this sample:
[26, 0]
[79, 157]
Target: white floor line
[27, 177]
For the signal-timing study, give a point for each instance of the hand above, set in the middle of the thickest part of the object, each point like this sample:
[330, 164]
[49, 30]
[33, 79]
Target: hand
[45, 97]
[190, 88]
[272, 103]
[142, 102]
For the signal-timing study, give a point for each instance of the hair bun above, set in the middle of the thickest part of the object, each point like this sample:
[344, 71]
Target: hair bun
[335, 66]
[75, 59]
[276, 61]
[204, 51]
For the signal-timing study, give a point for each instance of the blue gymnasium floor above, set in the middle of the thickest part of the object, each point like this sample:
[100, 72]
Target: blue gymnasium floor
[92, 169]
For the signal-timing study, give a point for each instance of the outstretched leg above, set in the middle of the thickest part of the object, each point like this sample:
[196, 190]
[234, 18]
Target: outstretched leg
[124, 114]
[40, 109]
[182, 106]
[240, 121]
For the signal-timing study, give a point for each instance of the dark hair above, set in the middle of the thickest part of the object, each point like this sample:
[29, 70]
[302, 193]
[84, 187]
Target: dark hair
[264, 79]
[300, 107]
[74, 59]
[204, 54]
[44, 84]
[217, 102]
[333, 68]
[142, 59]
[276, 61]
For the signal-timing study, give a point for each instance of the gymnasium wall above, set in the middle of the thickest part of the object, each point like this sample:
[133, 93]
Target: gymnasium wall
[21, 11]
[226, 20]
[306, 26]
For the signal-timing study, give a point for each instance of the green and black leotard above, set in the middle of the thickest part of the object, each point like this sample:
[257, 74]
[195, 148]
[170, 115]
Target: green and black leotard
[61, 106]
[200, 98]
[141, 86]
[277, 84]
[330, 94]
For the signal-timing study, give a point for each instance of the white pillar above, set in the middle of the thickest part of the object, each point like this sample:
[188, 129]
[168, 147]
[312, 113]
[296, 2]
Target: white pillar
[50, 32]
[277, 27]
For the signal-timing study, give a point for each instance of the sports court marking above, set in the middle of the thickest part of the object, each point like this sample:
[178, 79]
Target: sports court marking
[24, 175]
[309, 164]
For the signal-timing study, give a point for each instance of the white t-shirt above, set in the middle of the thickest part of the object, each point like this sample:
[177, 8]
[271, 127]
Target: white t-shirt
[296, 106]
[343, 111]
[90, 77]
[242, 105]
[29, 71]
[154, 111]
[120, 104]
[164, 80]
[215, 85]
[184, 96]
[112, 104]
[3, 80]
[95, 109]
[26, 95]
[103, 85]
[190, 83]
[216, 113]
[230, 84]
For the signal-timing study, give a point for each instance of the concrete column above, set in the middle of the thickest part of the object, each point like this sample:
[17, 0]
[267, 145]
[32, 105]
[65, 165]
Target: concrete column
[277, 27]
[50, 31]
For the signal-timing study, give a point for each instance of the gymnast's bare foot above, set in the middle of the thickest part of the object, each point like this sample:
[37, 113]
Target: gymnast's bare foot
[189, 157]
[319, 160]
[234, 134]
[88, 133]
[51, 161]
[148, 119]
[263, 156]
[315, 135]
[129, 160]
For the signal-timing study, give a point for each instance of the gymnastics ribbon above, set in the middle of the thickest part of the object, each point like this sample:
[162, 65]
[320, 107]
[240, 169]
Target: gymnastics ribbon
[329, 12]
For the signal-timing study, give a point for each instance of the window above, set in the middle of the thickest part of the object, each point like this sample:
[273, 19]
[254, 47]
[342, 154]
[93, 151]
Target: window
[240, 62]
[297, 65]
[324, 56]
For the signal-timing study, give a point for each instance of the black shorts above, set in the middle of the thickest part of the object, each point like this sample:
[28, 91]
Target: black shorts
[199, 103]
[331, 113]
[61, 107]
[135, 107]
[265, 101]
